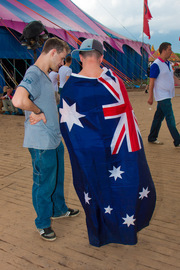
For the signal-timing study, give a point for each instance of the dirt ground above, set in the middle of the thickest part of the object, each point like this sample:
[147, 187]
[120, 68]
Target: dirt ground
[21, 248]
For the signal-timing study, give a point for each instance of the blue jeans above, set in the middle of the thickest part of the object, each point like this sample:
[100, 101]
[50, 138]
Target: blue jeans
[164, 109]
[48, 184]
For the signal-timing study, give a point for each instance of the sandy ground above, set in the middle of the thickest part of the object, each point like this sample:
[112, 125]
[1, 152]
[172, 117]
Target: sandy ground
[21, 248]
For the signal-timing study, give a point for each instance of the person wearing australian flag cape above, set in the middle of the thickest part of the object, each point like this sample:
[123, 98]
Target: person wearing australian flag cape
[110, 172]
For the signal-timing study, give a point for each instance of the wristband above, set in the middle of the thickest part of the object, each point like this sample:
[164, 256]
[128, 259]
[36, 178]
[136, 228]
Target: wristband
[39, 112]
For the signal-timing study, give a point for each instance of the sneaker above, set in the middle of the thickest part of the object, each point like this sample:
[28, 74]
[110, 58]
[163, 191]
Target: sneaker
[47, 234]
[157, 142]
[70, 213]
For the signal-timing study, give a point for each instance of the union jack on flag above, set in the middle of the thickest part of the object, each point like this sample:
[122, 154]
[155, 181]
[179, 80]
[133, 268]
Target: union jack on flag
[127, 125]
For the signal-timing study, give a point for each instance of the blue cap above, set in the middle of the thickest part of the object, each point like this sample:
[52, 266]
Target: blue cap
[88, 45]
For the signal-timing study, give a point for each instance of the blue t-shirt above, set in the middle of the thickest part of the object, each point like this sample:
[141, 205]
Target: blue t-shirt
[41, 136]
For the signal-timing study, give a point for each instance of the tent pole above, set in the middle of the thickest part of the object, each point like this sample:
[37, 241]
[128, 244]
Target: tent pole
[142, 45]
[14, 66]
[142, 58]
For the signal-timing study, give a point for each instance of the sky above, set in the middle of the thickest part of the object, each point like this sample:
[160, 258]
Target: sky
[126, 18]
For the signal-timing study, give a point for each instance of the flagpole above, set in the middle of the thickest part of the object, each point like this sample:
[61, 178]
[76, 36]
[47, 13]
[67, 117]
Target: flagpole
[142, 44]
[146, 17]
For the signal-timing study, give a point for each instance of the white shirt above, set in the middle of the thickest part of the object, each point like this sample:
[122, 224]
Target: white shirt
[64, 72]
[53, 76]
[164, 84]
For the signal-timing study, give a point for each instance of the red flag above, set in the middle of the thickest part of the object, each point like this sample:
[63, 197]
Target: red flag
[147, 17]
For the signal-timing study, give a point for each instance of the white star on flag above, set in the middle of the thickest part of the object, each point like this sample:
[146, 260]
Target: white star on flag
[144, 193]
[129, 220]
[86, 197]
[116, 172]
[70, 116]
[108, 209]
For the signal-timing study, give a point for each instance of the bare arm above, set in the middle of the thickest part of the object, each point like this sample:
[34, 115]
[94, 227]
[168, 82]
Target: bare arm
[3, 97]
[151, 86]
[21, 100]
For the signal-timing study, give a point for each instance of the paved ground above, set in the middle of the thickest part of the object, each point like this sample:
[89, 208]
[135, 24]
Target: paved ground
[21, 248]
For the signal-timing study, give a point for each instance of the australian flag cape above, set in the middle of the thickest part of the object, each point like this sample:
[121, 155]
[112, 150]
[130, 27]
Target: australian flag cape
[110, 172]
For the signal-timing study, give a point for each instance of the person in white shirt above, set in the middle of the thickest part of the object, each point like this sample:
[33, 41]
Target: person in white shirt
[65, 72]
[162, 82]
[54, 76]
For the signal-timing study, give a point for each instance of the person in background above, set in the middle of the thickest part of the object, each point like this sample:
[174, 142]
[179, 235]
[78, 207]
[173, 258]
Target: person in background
[162, 81]
[35, 95]
[8, 93]
[65, 72]
[54, 76]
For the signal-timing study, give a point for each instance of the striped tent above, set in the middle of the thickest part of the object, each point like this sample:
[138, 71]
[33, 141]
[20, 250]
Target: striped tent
[62, 18]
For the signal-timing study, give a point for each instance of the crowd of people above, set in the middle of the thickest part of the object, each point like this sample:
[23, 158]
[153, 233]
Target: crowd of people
[110, 172]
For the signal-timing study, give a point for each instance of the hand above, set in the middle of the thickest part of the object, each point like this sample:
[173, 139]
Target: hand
[35, 118]
[150, 101]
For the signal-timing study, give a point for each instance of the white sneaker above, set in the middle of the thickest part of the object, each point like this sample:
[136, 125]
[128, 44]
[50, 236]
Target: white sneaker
[157, 142]
[69, 213]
